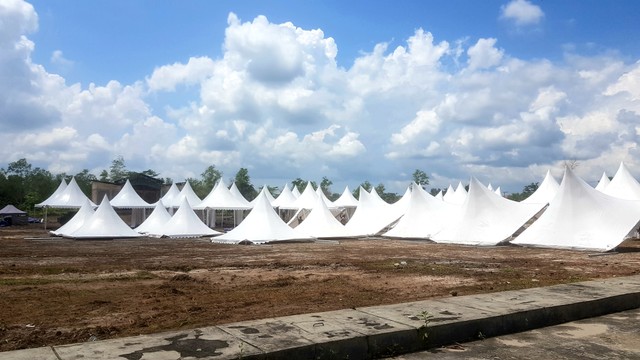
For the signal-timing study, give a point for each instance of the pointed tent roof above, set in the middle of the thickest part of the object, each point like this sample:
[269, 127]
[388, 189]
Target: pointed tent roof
[306, 200]
[580, 217]
[128, 198]
[398, 208]
[10, 209]
[55, 196]
[186, 192]
[485, 218]
[185, 223]
[321, 223]
[71, 197]
[295, 191]
[156, 221]
[545, 192]
[84, 214]
[346, 199]
[267, 193]
[172, 196]
[456, 196]
[286, 198]
[498, 191]
[324, 197]
[623, 185]
[103, 224]
[236, 192]
[371, 216]
[490, 187]
[262, 225]
[604, 181]
[439, 196]
[425, 216]
[221, 198]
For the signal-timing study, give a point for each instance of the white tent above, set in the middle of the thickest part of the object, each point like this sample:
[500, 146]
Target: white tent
[456, 196]
[425, 216]
[371, 216]
[604, 181]
[55, 197]
[580, 217]
[485, 218]
[70, 198]
[128, 198]
[103, 224]
[262, 225]
[498, 191]
[324, 197]
[186, 193]
[545, 191]
[321, 223]
[398, 208]
[172, 196]
[346, 200]
[306, 200]
[267, 193]
[285, 199]
[236, 192]
[221, 198]
[295, 191]
[439, 196]
[85, 212]
[185, 223]
[155, 223]
[623, 185]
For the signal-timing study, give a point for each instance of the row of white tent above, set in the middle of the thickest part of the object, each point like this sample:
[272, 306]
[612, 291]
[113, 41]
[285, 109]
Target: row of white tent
[568, 215]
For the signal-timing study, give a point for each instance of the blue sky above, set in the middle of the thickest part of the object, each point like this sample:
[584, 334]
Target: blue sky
[500, 90]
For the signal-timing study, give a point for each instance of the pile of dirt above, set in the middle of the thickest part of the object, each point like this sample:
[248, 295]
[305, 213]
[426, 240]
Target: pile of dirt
[57, 291]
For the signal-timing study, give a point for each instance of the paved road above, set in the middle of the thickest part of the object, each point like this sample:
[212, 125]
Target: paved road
[615, 336]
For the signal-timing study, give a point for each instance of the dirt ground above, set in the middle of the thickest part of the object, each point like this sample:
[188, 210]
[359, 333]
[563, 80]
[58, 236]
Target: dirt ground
[56, 291]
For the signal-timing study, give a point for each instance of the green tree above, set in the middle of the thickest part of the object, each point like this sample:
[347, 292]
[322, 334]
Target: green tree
[365, 185]
[104, 175]
[20, 168]
[421, 178]
[325, 185]
[151, 173]
[210, 176]
[118, 169]
[388, 197]
[243, 182]
[84, 179]
[527, 190]
[302, 184]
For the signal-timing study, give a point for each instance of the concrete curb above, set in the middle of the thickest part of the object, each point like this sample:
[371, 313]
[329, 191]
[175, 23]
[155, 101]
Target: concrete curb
[368, 332]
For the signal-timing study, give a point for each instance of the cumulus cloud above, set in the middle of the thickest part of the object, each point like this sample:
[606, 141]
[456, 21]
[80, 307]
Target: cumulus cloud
[522, 12]
[276, 102]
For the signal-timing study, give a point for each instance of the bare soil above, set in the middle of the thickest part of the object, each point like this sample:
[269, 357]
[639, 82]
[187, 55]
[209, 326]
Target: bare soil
[57, 291]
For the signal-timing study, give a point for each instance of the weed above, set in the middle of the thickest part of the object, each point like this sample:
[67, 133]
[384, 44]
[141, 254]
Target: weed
[425, 316]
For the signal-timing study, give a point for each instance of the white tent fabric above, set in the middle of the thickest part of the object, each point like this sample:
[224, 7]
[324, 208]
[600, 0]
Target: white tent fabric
[306, 200]
[185, 223]
[85, 212]
[286, 198]
[71, 198]
[490, 187]
[623, 185]
[545, 192]
[498, 191]
[456, 196]
[236, 192]
[103, 224]
[485, 218]
[324, 197]
[128, 198]
[321, 223]
[186, 193]
[156, 221]
[371, 216]
[221, 198]
[262, 225]
[425, 216]
[603, 183]
[439, 196]
[55, 197]
[267, 193]
[172, 196]
[295, 191]
[398, 208]
[580, 217]
[346, 200]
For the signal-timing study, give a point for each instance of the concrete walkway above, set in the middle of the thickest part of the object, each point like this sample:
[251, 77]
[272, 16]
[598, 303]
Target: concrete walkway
[368, 332]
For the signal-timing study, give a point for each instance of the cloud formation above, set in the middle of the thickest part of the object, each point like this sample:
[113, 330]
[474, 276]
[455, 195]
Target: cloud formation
[277, 103]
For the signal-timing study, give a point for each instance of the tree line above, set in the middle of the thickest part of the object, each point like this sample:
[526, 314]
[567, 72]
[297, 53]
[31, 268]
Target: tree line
[24, 186]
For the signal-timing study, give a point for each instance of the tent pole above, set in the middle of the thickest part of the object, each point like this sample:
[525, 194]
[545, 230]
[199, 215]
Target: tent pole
[45, 217]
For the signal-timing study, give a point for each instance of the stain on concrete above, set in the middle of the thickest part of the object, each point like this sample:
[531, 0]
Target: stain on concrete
[195, 348]
[374, 324]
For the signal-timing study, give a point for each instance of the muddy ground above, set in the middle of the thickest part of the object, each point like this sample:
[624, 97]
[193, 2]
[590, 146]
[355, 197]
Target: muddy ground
[55, 291]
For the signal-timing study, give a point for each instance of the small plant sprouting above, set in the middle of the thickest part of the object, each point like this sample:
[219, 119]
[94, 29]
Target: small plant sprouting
[425, 316]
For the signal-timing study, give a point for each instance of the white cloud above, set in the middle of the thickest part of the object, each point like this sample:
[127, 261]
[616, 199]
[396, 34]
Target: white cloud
[522, 12]
[277, 103]
[484, 55]
[57, 58]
